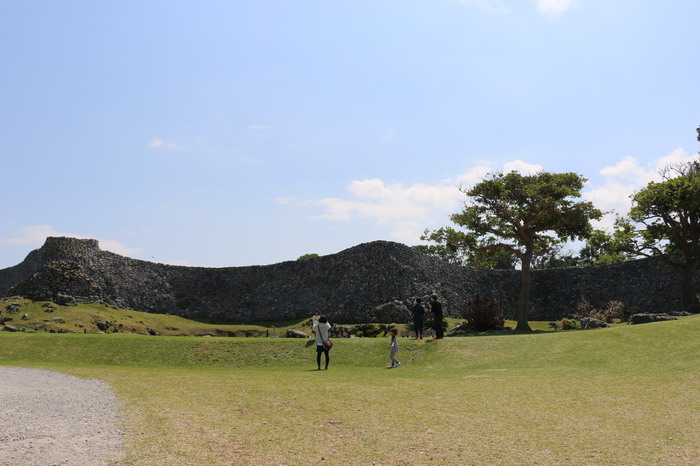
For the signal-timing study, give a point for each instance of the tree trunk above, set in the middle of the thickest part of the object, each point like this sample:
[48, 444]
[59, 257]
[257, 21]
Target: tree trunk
[524, 297]
[688, 296]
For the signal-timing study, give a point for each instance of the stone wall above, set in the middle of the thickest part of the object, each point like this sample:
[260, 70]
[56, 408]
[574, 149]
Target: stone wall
[350, 286]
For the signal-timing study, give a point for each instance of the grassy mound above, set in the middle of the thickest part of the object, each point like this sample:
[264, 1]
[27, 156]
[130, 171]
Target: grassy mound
[46, 316]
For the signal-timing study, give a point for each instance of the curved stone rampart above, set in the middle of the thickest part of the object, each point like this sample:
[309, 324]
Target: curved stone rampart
[349, 286]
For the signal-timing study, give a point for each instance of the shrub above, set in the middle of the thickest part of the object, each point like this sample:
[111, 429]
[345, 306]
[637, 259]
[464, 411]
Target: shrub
[566, 324]
[617, 310]
[483, 315]
[366, 330]
[614, 310]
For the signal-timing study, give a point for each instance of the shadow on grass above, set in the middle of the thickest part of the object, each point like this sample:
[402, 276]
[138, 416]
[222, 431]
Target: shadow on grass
[500, 333]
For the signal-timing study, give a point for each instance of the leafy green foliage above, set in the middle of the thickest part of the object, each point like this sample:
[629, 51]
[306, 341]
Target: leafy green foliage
[305, 257]
[520, 215]
[444, 252]
[367, 330]
[566, 324]
[456, 247]
[664, 222]
[601, 248]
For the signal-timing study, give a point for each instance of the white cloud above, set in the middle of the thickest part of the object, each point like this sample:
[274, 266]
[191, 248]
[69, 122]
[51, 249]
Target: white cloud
[522, 167]
[473, 176]
[405, 210]
[37, 234]
[117, 247]
[628, 169]
[555, 7]
[678, 155]
[159, 143]
[623, 179]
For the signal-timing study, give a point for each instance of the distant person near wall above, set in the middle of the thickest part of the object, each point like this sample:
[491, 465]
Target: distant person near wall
[418, 314]
[436, 308]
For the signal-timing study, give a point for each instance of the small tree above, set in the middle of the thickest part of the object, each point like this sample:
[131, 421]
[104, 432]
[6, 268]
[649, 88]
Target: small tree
[443, 252]
[451, 247]
[522, 214]
[483, 314]
[664, 223]
[601, 248]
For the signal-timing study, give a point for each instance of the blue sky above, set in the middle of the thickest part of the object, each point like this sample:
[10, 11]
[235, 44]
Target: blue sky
[251, 132]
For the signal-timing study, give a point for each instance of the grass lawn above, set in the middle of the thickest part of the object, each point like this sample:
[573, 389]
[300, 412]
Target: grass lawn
[624, 395]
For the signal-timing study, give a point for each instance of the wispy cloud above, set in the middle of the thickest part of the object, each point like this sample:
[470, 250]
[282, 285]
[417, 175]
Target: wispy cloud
[37, 234]
[33, 234]
[406, 210]
[555, 7]
[159, 143]
[522, 167]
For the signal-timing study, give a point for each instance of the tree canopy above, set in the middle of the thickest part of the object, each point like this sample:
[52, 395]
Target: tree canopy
[520, 215]
[664, 222]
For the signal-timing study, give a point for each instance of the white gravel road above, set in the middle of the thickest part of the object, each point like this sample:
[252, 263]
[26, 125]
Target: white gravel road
[48, 418]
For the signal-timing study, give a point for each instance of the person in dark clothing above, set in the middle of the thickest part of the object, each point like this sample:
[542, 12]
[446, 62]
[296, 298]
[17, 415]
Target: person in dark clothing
[418, 313]
[436, 308]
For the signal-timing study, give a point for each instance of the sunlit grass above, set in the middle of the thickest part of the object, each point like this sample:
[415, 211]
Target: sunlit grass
[626, 395]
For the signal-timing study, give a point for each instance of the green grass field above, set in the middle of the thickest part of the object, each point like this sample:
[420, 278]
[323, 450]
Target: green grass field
[624, 395]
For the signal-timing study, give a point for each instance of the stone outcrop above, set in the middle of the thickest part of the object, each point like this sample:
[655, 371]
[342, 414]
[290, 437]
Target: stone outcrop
[291, 333]
[371, 282]
[647, 318]
[590, 322]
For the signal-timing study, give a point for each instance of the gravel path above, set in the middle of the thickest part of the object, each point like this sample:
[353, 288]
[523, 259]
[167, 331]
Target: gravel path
[48, 418]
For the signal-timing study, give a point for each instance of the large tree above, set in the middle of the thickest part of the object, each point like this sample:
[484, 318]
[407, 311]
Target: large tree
[664, 222]
[523, 214]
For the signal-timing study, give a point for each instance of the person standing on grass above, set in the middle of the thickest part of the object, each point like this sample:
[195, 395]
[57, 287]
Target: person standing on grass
[321, 330]
[436, 307]
[393, 349]
[418, 313]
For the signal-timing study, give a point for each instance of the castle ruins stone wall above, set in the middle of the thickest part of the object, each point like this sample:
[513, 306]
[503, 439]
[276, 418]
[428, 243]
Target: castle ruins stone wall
[350, 286]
